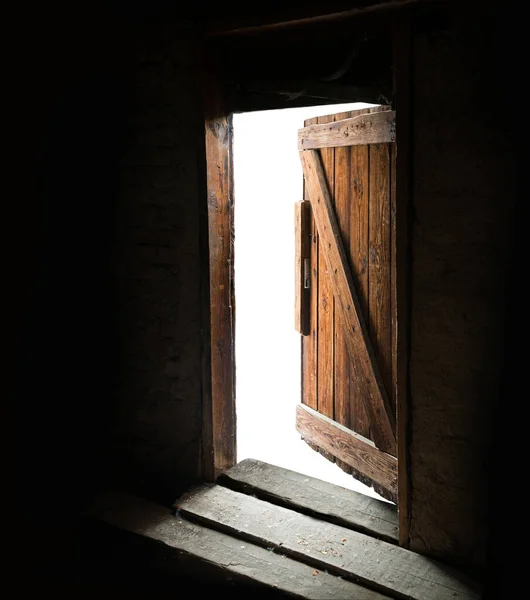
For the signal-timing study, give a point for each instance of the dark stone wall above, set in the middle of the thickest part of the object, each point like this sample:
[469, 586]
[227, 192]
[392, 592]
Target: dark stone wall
[464, 189]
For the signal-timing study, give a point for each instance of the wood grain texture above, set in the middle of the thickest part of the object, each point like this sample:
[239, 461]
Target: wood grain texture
[373, 563]
[393, 278]
[326, 309]
[388, 281]
[309, 343]
[360, 350]
[301, 241]
[341, 361]
[189, 548]
[351, 448]
[314, 497]
[219, 170]
[351, 181]
[379, 259]
[371, 128]
[358, 252]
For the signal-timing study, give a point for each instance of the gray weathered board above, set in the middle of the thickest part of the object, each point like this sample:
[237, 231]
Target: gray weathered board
[314, 497]
[228, 557]
[373, 128]
[376, 564]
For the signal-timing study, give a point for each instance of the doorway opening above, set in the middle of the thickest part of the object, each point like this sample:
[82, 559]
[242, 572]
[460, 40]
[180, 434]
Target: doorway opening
[268, 181]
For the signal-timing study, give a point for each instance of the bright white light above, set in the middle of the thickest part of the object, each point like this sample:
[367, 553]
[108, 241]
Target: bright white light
[268, 181]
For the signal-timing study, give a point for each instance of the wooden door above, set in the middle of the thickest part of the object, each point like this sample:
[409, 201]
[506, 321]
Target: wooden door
[345, 293]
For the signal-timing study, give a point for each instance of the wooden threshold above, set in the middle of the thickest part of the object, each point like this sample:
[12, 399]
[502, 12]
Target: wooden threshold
[375, 564]
[314, 497]
[220, 558]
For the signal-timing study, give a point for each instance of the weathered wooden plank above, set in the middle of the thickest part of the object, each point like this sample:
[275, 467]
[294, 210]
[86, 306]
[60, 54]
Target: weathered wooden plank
[372, 128]
[360, 350]
[309, 343]
[350, 447]
[379, 258]
[341, 360]
[314, 497]
[353, 224]
[326, 307]
[301, 267]
[221, 448]
[393, 280]
[218, 556]
[374, 563]
[367, 246]
[359, 261]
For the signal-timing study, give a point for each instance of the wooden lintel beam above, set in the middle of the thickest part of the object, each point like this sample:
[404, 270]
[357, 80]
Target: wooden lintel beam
[278, 24]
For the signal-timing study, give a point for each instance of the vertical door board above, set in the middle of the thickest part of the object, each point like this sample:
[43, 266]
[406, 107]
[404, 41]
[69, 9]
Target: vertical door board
[379, 263]
[309, 343]
[359, 260]
[341, 365]
[326, 308]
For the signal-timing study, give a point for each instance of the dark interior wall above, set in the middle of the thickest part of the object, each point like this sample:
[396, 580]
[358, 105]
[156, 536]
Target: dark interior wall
[157, 269]
[107, 287]
[106, 308]
[464, 193]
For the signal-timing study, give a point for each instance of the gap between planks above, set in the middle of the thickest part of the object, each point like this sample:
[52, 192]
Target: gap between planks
[314, 497]
[376, 564]
[182, 546]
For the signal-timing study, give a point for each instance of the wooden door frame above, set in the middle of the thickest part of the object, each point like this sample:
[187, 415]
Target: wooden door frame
[219, 415]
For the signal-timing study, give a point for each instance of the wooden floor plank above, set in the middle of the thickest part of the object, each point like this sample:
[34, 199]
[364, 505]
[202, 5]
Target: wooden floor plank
[221, 553]
[314, 497]
[379, 565]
